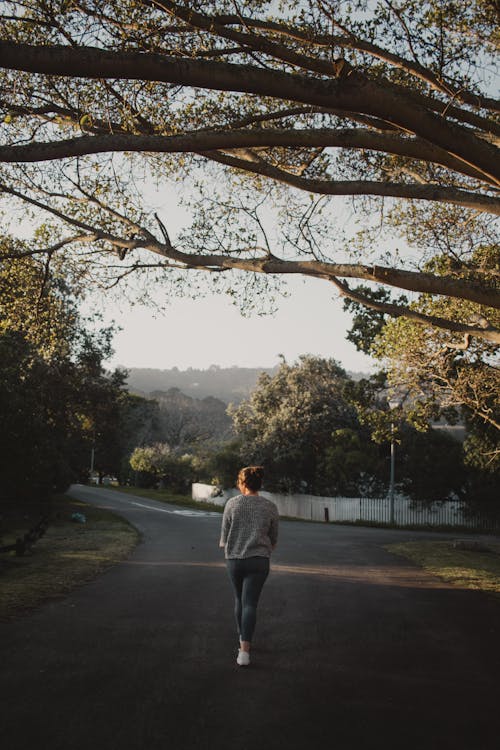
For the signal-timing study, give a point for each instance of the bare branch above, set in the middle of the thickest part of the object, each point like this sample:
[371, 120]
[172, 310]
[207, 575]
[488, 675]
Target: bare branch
[459, 347]
[164, 232]
[433, 193]
[349, 91]
[208, 140]
[397, 311]
[50, 250]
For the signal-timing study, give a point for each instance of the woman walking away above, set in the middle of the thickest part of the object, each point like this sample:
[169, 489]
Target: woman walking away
[249, 534]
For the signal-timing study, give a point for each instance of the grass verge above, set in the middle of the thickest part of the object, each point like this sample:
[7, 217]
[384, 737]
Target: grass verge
[467, 569]
[168, 497]
[68, 555]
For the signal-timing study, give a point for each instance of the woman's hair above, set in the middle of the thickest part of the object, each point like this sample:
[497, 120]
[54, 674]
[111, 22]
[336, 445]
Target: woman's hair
[251, 477]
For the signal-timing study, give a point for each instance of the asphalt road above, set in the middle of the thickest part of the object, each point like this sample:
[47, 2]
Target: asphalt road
[355, 648]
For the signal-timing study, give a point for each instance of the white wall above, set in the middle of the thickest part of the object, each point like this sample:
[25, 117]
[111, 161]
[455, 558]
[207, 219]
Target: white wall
[207, 493]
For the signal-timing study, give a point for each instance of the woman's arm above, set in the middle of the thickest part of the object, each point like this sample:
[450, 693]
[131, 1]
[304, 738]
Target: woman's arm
[226, 524]
[273, 532]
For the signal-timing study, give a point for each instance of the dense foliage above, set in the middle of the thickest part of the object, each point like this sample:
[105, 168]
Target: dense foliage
[58, 403]
[318, 431]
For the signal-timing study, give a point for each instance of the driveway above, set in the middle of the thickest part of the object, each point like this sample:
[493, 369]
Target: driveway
[355, 648]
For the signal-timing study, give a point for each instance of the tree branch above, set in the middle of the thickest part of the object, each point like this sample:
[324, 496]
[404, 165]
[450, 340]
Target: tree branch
[398, 311]
[268, 264]
[349, 92]
[50, 250]
[253, 41]
[208, 140]
[92, 234]
[434, 193]
[351, 41]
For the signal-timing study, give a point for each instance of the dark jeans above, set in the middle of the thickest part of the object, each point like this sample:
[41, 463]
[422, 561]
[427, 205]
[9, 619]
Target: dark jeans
[247, 577]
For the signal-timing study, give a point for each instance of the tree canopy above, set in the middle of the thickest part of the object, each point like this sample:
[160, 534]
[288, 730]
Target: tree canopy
[300, 425]
[253, 104]
[429, 375]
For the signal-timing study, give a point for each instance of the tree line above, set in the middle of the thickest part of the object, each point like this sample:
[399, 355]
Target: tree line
[318, 431]
[315, 428]
[225, 383]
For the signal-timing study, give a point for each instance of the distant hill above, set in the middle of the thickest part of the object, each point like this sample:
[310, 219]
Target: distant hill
[183, 420]
[229, 384]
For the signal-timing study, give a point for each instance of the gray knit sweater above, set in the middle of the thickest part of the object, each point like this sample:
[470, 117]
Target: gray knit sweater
[249, 527]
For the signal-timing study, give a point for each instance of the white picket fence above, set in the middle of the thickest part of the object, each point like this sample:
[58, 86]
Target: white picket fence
[359, 510]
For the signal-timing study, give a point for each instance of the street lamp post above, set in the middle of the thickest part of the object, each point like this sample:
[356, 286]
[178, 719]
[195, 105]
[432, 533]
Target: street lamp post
[394, 403]
[391, 481]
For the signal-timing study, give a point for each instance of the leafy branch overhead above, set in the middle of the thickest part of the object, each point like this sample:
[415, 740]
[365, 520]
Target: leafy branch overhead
[250, 105]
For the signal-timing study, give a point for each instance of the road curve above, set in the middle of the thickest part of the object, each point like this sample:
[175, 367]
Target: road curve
[354, 649]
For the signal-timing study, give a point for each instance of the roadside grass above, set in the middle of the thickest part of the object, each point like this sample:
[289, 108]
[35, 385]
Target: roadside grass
[68, 555]
[163, 496]
[465, 568]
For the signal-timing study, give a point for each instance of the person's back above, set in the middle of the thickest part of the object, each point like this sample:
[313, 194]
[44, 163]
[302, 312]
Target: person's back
[250, 527]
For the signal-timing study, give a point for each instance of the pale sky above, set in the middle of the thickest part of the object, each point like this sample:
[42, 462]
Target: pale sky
[211, 330]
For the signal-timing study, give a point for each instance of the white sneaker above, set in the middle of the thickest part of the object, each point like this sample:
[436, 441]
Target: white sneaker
[243, 658]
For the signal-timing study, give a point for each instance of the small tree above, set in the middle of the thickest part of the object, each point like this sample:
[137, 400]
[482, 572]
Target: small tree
[351, 465]
[152, 460]
[223, 464]
[158, 464]
[430, 466]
